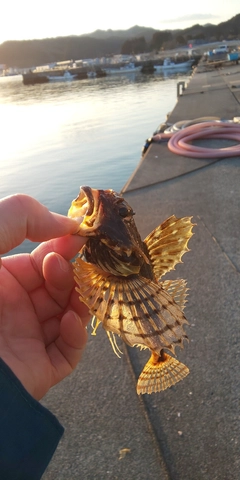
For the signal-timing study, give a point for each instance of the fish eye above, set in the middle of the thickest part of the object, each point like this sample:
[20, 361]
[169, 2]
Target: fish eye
[125, 212]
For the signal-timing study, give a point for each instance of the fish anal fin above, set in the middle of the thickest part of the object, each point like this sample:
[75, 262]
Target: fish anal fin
[160, 373]
[167, 244]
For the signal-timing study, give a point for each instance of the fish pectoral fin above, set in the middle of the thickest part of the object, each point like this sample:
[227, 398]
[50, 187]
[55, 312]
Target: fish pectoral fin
[167, 243]
[137, 309]
[159, 373]
[111, 337]
[141, 346]
[114, 345]
[177, 289]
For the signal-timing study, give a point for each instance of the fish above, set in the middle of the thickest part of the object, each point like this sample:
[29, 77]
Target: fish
[119, 277]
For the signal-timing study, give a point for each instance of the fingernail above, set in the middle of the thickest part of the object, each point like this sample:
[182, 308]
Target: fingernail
[77, 317]
[69, 223]
[63, 264]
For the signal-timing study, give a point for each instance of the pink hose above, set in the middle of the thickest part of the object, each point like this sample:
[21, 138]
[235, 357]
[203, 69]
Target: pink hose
[180, 142]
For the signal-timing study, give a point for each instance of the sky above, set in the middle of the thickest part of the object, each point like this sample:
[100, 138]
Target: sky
[26, 19]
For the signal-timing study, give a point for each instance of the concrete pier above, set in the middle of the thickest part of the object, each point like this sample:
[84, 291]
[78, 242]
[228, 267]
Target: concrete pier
[191, 431]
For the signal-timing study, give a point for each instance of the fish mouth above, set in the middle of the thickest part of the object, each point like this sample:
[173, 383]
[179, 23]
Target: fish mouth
[86, 210]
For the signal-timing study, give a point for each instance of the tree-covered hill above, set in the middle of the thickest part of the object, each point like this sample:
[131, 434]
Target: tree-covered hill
[30, 53]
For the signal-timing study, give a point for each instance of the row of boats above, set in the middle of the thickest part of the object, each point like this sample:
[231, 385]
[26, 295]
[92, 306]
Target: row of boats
[53, 76]
[167, 64]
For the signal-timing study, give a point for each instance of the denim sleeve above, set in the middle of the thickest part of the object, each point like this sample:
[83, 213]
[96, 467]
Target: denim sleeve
[29, 433]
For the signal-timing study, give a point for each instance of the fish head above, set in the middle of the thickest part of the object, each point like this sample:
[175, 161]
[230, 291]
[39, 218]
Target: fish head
[107, 219]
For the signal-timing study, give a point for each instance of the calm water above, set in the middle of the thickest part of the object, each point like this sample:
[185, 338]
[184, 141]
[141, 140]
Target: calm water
[56, 137]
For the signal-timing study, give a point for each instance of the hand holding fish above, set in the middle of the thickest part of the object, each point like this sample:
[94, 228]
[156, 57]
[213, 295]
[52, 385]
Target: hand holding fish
[42, 322]
[118, 277]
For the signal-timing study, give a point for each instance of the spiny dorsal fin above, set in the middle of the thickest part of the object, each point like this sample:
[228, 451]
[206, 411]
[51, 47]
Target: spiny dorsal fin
[167, 244]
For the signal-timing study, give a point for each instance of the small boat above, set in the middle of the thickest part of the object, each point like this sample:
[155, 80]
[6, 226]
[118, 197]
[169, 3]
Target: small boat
[58, 78]
[169, 65]
[91, 74]
[128, 68]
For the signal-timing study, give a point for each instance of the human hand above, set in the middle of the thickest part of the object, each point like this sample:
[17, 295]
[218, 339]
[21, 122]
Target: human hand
[42, 322]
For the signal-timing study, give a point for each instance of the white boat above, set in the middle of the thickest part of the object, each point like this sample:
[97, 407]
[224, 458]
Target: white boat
[128, 68]
[58, 78]
[169, 65]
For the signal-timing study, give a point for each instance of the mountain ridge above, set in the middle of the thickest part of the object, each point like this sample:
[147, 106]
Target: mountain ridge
[100, 43]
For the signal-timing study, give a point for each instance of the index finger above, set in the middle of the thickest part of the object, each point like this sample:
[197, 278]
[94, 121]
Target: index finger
[24, 217]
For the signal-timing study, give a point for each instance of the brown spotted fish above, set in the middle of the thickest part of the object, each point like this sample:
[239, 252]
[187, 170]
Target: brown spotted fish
[117, 276]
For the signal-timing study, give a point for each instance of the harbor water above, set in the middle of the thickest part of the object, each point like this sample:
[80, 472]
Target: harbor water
[58, 136]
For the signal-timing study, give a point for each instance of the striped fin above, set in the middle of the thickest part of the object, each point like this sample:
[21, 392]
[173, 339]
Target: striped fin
[167, 244]
[177, 289]
[160, 373]
[137, 309]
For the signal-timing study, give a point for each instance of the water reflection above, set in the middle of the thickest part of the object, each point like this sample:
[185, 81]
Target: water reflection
[56, 136]
[13, 90]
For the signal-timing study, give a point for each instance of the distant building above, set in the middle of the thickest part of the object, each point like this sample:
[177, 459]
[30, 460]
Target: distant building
[196, 41]
[2, 68]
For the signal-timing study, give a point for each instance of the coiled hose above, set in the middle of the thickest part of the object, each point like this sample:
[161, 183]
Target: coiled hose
[180, 140]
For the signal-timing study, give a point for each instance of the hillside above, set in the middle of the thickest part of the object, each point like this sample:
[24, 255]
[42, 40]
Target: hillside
[132, 32]
[29, 53]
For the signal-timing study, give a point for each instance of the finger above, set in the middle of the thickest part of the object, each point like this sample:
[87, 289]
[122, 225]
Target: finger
[66, 351]
[24, 217]
[53, 296]
[58, 274]
[60, 281]
[51, 327]
[32, 264]
[67, 247]
[79, 307]
[51, 330]
[73, 335]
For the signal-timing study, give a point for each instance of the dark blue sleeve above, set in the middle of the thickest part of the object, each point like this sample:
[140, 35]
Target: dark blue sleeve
[29, 433]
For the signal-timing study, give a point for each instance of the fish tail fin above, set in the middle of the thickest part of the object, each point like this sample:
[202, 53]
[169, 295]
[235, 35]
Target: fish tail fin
[160, 372]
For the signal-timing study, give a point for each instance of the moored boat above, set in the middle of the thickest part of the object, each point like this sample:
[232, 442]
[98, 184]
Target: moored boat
[168, 64]
[128, 68]
[91, 74]
[67, 76]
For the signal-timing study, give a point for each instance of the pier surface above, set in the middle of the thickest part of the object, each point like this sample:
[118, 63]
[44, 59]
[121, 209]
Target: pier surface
[192, 430]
